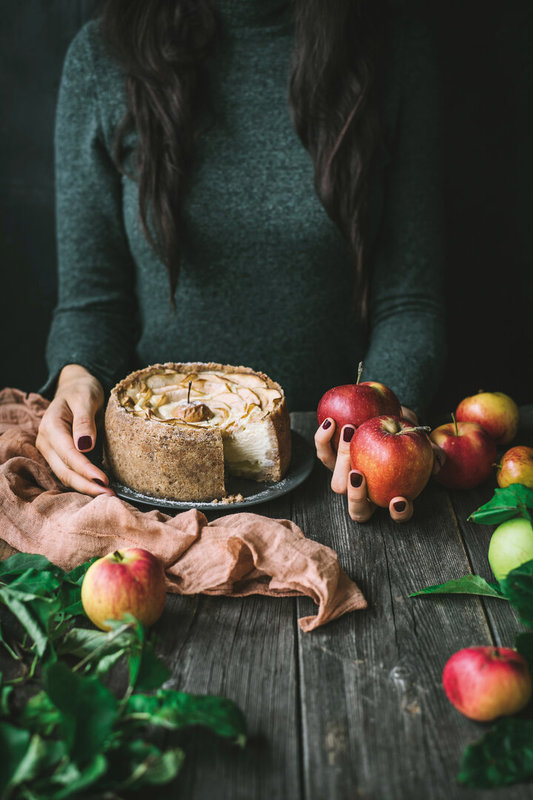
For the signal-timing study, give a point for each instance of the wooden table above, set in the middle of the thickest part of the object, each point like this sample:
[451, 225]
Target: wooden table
[356, 709]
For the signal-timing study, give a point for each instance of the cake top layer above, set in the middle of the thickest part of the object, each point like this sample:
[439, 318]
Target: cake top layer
[200, 396]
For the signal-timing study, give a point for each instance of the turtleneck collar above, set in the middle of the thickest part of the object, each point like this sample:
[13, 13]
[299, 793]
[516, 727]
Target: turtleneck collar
[254, 14]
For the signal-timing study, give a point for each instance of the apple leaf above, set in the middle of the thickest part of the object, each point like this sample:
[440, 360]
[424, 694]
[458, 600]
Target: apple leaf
[524, 645]
[174, 710]
[88, 710]
[136, 763]
[513, 501]
[468, 584]
[503, 756]
[517, 586]
[14, 743]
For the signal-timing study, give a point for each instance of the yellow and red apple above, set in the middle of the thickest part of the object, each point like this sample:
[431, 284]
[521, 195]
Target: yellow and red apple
[484, 683]
[129, 581]
[496, 412]
[516, 466]
[395, 457]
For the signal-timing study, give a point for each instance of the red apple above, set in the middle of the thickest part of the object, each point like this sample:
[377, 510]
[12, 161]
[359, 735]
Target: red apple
[129, 581]
[354, 403]
[484, 683]
[395, 457]
[470, 454]
[516, 466]
[494, 411]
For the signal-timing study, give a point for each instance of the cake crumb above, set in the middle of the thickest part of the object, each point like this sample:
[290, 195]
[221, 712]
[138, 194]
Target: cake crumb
[231, 498]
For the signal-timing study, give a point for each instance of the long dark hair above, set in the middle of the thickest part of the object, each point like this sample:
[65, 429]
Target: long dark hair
[332, 96]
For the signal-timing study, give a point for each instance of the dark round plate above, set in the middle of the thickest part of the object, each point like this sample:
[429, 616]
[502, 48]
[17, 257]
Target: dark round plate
[302, 460]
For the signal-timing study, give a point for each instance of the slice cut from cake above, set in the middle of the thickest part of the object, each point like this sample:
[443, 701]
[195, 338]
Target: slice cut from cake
[176, 430]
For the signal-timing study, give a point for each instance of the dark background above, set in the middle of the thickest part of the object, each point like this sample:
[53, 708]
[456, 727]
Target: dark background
[485, 50]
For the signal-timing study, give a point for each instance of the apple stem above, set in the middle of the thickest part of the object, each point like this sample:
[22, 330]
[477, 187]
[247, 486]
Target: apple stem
[117, 555]
[359, 372]
[109, 638]
[415, 428]
[189, 393]
[456, 429]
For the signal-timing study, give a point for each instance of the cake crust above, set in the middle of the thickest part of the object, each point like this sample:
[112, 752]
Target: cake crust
[182, 461]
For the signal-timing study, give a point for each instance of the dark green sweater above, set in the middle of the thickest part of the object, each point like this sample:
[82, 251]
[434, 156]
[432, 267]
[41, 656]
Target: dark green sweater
[265, 279]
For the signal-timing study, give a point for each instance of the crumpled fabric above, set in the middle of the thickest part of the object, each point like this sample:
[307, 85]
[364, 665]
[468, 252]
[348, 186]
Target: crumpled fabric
[238, 554]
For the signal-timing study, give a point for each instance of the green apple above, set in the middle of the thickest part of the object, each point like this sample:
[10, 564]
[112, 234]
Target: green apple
[511, 545]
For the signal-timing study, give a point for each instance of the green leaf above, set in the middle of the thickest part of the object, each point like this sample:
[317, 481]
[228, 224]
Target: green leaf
[500, 758]
[88, 710]
[14, 743]
[20, 562]
[513, 501]
[30, 613]
[469, 584]
[41, 756]
[151, 672]
[73, 779]
[40, 715]
[174, 710]
[517, 586]
[524, 645]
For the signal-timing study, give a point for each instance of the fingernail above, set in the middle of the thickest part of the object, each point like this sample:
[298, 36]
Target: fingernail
[356, 479]
[326, 424]
[399, 505]
[85, 442]
[347, 433]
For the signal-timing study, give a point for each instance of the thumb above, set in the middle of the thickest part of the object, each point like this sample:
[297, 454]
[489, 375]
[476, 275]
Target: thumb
[84, 412]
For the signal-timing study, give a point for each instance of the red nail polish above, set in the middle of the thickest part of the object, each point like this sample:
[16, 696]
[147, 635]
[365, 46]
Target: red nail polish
[399, 506]
[326, 424]
[347, 434]
[356, 479]
[85, 443]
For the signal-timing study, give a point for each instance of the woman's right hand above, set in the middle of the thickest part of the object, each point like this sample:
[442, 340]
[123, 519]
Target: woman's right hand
[68, 429]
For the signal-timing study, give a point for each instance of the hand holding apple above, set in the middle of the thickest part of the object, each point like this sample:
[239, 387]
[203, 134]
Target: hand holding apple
[395, 457]
[129, 581]
[354, 403]
[484, 683]
[516, 466]
[496, 412]
[470, 454]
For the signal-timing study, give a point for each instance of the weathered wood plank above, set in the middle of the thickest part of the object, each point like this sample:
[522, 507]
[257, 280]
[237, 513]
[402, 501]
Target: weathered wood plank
[376, 722]
[245, 650]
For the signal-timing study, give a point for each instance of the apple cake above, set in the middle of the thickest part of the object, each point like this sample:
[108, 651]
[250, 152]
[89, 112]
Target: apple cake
[177, 431]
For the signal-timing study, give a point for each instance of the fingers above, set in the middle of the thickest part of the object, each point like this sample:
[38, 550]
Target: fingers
[74, 479]
[56, 444]
[341, 470]
[360, 508]
[84, 407]
[440, 458]
[323, 439]
[400, 509]
[409, 415]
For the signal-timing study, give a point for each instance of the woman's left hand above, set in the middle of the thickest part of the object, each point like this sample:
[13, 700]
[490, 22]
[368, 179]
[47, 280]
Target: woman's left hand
[352, 482]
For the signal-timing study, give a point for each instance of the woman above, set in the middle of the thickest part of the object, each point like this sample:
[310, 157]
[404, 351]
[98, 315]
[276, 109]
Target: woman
[251, 182]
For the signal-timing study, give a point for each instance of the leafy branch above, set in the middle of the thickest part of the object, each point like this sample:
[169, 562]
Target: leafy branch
[63, 731]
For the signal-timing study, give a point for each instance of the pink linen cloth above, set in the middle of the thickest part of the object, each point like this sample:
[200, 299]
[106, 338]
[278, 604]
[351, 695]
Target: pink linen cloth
[238, 554]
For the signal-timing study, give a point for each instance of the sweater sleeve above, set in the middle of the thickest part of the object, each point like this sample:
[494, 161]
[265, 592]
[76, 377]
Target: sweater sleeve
[94, 322]
[407, 328]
